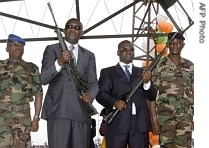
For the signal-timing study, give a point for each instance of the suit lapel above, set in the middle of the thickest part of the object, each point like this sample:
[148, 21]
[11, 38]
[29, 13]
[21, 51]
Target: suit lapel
[120, 71]
[81, 59]
[135, 72]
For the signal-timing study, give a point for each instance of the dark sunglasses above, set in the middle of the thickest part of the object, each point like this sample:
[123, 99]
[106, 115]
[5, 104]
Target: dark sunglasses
[126, 49]
[73, 27]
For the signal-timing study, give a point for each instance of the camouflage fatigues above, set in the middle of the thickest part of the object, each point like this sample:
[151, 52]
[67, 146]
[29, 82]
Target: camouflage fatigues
[19, 82]
[175, 102]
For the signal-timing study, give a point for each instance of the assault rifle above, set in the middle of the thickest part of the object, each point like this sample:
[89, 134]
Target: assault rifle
[81, 84]
[127, 96]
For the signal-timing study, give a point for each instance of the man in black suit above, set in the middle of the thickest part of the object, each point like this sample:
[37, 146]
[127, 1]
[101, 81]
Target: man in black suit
[68, 123]
[132, 124]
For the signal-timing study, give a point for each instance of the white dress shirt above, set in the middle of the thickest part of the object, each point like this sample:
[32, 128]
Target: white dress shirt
[145, 86]
[75, 52]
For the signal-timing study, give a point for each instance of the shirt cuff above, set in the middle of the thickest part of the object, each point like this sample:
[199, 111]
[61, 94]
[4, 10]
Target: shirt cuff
[147, 85]
[57, 66]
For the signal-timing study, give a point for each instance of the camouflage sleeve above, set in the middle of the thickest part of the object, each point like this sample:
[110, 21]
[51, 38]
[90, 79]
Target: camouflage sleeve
[155, 76]
[37, 86]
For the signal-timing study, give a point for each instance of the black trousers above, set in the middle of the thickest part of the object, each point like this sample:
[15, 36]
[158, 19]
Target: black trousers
[134, 138]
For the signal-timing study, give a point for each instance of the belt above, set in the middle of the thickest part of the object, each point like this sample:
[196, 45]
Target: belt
[14, 108]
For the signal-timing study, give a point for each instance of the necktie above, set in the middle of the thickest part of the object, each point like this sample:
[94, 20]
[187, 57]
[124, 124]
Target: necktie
[72, 48]
[127, 72]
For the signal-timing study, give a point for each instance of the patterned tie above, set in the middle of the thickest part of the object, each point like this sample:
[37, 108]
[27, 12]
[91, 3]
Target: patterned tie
[127, 72]
[72, 48]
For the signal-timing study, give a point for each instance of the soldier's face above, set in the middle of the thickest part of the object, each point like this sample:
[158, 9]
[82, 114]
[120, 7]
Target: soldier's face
[176, 46]
[15, 50]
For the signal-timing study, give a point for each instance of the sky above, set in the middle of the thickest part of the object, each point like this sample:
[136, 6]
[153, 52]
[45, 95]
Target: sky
[105, 49]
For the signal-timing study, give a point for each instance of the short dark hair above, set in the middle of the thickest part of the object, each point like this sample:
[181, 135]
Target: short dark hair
[121, 44]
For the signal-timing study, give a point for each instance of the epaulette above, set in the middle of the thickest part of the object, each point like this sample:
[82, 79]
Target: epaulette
[34, 66]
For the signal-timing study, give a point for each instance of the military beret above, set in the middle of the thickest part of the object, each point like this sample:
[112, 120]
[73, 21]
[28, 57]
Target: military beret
[15, 38]
[177, 36]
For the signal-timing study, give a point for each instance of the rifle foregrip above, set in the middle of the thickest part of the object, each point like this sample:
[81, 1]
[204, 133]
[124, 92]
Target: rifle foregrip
[113, 116]
[91, 110]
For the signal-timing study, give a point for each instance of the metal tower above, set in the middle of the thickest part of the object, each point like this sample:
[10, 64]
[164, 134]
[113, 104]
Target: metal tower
[145, 23]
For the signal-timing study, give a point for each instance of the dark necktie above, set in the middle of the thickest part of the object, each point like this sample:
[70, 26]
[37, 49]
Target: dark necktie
[127, 72]
[72, 48]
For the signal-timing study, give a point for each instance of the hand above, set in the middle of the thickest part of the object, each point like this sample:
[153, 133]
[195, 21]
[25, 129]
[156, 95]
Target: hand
[65, 56]
[86, 97]
[102, 128]
[146, 75]
[34, 125]
[120, 104]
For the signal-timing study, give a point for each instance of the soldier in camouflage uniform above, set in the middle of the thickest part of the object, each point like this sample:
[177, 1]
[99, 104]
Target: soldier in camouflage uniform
[174, 79]
[19, 85]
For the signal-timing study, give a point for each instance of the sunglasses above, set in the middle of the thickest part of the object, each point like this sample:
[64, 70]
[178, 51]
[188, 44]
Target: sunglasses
[73, 27]
[126, 49]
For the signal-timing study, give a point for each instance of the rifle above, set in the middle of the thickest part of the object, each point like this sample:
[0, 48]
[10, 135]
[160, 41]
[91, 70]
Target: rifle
[127, 96]
[81, 84]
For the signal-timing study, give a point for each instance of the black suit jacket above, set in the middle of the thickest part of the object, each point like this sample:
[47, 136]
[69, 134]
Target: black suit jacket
[62, 99]
[113, 84]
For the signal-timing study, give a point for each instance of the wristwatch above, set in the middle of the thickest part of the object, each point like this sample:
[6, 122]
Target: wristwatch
[36, 117]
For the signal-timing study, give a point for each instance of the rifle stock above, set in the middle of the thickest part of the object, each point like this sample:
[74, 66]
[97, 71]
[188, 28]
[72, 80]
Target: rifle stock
[81, 85]
[137, 83]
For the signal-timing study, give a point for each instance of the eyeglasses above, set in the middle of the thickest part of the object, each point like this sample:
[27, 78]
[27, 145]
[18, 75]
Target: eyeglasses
[73, 27]
[125, 49]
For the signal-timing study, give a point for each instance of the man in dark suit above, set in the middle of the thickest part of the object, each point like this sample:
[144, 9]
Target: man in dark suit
[132, 124]
[68, 123]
